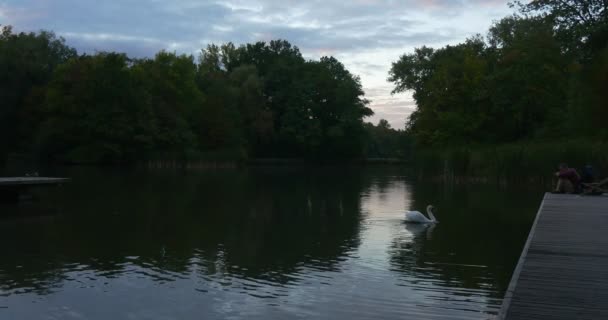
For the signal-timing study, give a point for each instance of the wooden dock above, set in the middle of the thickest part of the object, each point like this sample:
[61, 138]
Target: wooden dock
[13, 189]
[30, 181]
[563, 270]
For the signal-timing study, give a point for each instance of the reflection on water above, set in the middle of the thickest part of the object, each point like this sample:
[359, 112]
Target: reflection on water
[259, 243]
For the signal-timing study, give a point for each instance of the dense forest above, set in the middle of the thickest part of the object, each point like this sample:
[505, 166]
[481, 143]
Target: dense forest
[538, 78]
[230, 103]
[541, 73]
[516, 102]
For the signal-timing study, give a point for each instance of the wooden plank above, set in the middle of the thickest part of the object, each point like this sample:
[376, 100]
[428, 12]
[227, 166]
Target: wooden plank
[563, 270]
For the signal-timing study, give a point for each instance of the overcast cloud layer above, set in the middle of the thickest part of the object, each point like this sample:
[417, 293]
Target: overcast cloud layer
[366, 35]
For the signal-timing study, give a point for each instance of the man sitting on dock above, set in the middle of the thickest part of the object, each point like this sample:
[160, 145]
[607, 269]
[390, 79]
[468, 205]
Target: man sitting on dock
[568, 179]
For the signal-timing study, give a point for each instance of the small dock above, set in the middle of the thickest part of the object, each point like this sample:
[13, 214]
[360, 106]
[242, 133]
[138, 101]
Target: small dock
[563, 270]
[30, 181]
[12, 188]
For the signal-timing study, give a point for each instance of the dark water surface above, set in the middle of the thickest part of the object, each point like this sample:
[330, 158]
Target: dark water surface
[265, 243]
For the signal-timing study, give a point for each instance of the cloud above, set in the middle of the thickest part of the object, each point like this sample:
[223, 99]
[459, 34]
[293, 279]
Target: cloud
[367, 35]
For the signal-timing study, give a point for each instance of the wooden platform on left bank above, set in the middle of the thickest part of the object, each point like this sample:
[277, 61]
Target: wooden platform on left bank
[21, 182]
[14, 189]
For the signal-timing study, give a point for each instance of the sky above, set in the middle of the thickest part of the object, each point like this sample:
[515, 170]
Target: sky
[366, 35]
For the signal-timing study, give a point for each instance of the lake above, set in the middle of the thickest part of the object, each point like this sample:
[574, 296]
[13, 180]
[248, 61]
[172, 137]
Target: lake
[260, 243]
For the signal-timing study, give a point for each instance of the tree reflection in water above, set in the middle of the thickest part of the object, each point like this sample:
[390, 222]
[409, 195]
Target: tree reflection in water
[261, 243]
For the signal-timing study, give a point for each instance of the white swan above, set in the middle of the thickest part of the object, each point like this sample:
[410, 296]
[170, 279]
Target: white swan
[418, 217]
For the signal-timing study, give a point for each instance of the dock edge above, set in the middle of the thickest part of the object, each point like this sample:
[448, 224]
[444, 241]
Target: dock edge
[506, 302]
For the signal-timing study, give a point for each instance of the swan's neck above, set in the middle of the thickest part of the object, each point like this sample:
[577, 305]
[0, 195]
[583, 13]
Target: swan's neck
[431, 215]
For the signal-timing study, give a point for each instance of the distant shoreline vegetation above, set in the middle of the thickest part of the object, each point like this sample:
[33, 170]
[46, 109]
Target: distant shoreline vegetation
[533, 162]
[259, 100]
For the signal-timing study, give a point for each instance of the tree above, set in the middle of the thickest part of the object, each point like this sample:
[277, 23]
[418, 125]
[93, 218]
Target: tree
[91, 110]
[540, 74]
[27, 61]
[386, 142]
[338, 105]
[582, 29]
[581, 24]
[288, 106]
[528, 80]
[384, 125]
[257, 118]
[174, 102]
[511, 88]
[261, 99]
[450, 90]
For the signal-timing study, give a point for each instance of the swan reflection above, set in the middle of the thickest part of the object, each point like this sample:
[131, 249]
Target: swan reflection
[418, 230]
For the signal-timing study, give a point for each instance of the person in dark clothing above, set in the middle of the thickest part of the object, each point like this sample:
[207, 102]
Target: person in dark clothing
[589, 186]
[568, 179]
[587, 175]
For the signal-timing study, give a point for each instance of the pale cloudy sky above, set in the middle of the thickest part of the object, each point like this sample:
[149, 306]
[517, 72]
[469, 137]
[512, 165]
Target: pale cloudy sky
[366, 35]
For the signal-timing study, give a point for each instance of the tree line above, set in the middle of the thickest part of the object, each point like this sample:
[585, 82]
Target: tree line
[540, 74]
[229, 103]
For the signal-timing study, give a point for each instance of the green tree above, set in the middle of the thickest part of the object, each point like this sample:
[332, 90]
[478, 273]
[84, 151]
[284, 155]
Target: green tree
[386, 142]
[261, 99]
[337, 106]
[27, 61]
[173, 102]
[90, 111]
[287, 106]
[582, 30]
[582, 25]
[540, 74]
[529, 80]
[450, 90]
[257, 118]
[218, 124]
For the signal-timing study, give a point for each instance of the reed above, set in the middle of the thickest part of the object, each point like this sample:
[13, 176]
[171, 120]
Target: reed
[532, 161]
[224, 158]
